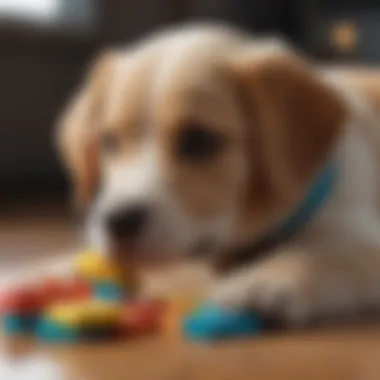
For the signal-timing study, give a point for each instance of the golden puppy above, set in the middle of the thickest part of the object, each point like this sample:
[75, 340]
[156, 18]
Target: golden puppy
[204, 136]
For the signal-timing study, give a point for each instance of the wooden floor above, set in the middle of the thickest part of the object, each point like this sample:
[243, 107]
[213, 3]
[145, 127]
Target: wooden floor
[337, 354]
[32, 231]
[332, 353]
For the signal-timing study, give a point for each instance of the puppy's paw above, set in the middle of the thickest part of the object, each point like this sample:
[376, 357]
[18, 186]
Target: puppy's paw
[284, 289]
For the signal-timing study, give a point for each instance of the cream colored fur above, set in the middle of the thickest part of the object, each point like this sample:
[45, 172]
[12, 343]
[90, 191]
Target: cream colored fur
[332, 267]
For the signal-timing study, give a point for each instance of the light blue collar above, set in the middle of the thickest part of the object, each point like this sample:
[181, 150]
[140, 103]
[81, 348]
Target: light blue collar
[318, 194]
[316, 197]
[314, 200]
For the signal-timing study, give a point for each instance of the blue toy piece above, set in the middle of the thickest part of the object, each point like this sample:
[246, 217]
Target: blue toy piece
[52, 332]
[108, 291]
[211, 322]
[17, 324]
[49, 331]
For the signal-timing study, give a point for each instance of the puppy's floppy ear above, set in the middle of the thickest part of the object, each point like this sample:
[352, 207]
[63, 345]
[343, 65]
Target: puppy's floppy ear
[294, 120]
[78, 128]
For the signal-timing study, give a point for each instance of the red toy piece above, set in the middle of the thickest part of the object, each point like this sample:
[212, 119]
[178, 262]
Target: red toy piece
[21, 300]
[53, 290]
[143, 317]
[32, 299]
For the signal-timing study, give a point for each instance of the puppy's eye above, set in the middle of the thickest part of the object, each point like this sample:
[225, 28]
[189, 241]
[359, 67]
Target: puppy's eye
[109, 142]
[197, 143]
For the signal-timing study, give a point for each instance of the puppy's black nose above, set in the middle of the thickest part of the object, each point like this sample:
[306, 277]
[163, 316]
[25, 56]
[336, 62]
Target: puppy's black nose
[127, 223]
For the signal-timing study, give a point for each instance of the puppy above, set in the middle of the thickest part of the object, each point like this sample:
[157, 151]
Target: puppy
[205, 136]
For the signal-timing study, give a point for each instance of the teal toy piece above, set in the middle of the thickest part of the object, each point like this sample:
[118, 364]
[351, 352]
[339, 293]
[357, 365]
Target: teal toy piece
[50, 331]
[108, 291]
[17, 324]
[211, 322]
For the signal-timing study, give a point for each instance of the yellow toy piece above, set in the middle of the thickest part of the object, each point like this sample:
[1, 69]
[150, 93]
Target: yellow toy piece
[85, 314]
[93, 267]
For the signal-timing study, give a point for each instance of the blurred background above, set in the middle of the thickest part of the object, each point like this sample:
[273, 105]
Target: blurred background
[46, 44]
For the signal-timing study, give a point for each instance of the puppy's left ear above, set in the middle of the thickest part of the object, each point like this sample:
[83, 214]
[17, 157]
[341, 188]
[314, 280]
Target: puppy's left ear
[293, 121]
[78, 128]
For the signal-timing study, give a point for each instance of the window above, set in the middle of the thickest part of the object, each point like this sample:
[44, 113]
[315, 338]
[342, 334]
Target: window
[61, 14]
[39, 10]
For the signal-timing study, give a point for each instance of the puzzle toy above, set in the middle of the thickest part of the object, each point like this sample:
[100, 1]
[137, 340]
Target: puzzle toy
[211, 322]
[99, 302]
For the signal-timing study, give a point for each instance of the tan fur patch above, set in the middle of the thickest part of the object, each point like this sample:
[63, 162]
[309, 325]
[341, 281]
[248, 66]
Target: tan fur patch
[294, 121]
[78, 128]
[210, 102]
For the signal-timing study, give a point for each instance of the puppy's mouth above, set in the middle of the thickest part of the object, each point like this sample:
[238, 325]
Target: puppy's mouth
[146, 253]
[142, 253]
[131, 251]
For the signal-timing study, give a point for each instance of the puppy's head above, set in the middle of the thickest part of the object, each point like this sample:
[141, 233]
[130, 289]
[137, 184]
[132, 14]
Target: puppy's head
[196, 136]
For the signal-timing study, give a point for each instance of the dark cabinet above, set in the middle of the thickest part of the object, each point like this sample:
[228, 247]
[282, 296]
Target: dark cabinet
[39, 66]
